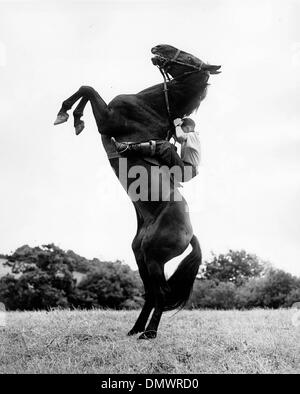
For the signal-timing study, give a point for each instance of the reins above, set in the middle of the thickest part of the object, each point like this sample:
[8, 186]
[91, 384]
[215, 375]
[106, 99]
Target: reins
[165, 90]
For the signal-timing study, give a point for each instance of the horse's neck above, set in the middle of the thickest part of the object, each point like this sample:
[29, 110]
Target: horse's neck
[185, 94]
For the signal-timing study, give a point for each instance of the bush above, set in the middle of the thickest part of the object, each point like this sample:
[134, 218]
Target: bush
[275, 289]
[44, 279]
[278, 288]
[112, 285]
[208, 294]
[235, 266]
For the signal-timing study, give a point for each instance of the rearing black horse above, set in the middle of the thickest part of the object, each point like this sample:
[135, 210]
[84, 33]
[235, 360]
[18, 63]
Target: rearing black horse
[164, 229]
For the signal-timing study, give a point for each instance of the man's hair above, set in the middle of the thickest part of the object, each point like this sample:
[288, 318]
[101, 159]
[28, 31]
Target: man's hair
[188, 122]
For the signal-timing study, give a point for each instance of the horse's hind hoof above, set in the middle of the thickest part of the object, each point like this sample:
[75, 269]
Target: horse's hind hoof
[150, 334]
[79, 128]
[61, 118]
[134, 331]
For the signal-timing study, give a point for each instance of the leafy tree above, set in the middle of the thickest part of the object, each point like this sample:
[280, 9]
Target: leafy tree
[293, 296]
[32, 291]
[208, 294]
[278, 287]
[240, 280]
[43, 278]
[112, 285]
[235, 266]
[250, 294]
[48, 258]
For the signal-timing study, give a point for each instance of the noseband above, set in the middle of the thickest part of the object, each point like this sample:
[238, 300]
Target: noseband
[166, 63]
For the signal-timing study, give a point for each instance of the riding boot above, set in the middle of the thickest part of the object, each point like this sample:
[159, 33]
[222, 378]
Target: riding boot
[128, 148]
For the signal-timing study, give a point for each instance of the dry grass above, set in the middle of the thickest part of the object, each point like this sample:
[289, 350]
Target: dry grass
[259, 341]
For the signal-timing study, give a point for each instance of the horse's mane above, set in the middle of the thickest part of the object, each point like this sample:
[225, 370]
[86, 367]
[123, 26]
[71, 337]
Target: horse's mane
[185, 93]
[191, 86]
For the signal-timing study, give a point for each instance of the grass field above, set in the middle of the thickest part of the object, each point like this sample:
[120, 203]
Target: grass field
[258, 341]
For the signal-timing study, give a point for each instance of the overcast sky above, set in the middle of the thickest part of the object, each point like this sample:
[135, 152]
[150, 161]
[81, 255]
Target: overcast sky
[56, 187]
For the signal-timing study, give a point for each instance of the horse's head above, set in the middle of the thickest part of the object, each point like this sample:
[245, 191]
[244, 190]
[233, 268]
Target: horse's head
[176, 62]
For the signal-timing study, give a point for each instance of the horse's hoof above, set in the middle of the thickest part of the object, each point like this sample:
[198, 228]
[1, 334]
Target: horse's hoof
[134, 331]
[61, 118]
[150, 334]
[79, 128]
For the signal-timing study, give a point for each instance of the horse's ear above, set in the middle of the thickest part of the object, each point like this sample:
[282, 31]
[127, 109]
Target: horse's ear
[211, 68]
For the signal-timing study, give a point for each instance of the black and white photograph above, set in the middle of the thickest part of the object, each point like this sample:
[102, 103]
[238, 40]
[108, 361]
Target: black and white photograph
[150, 188]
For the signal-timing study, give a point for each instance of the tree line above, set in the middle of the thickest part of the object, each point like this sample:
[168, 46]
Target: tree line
[46, 277]
[242, 281]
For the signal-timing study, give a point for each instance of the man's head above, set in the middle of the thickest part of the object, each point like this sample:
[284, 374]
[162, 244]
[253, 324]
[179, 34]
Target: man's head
[188, 125]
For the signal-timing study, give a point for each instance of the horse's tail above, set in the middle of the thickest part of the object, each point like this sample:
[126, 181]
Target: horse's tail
[181, 282]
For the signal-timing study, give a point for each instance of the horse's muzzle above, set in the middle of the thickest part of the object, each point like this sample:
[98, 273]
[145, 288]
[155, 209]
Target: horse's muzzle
[157, 61]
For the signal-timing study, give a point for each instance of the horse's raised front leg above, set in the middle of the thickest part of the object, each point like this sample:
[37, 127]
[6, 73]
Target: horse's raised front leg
[62, 115]
[99, 107]
[78, 112]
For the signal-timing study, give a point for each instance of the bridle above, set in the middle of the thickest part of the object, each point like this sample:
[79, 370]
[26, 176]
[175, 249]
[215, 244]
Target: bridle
[164, 72]
[174, 60]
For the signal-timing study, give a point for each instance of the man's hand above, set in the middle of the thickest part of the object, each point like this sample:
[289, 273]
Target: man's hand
[177, 122]
[180, 134]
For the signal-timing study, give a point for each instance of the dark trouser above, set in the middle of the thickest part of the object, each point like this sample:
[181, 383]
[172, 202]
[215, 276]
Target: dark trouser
[168, 155]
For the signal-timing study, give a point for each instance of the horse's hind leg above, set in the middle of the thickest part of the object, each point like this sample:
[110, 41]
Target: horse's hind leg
[160, 287]
[141, 322]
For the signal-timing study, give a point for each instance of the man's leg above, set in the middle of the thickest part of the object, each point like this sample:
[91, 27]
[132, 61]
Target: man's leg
[144, 149]
[168, 154]
[164, 151]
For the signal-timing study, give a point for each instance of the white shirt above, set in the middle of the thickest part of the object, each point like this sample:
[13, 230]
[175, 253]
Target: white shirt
[190, 146]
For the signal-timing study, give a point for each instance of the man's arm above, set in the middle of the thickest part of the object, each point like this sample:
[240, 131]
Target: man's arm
[180, 134]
